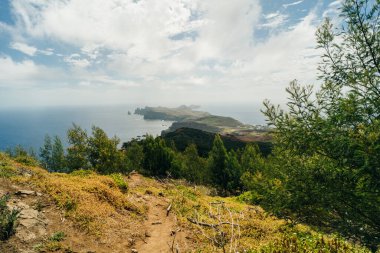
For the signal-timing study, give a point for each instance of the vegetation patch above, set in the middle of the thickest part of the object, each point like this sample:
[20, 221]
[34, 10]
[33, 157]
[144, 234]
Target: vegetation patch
[8, 219]
[90, 200]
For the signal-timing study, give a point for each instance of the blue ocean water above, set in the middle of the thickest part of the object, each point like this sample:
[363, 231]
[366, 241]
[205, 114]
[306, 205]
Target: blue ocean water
[28, 126]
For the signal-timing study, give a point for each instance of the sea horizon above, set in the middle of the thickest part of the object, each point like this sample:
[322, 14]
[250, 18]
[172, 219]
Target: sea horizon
[28, 126]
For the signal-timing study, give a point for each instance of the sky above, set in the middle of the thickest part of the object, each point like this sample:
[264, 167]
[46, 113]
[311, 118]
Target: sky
[167, 52]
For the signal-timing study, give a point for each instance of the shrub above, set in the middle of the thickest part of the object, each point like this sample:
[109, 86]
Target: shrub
[119, 181]
[6, 171]
[82, 173]
[7, 219]
[58, 236]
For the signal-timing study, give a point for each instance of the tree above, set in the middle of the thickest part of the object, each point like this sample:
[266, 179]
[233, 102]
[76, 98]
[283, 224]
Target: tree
[134, 156]
[195, 167]
[77, 152]
[217, 163]
[45, 153]
[103, 153]
[251, 159]
[58, 161]
[158, 158]
[233, 171]
[328, 142]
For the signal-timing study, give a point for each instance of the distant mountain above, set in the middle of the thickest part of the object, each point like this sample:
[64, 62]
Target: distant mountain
[172, 114]
[186, 116]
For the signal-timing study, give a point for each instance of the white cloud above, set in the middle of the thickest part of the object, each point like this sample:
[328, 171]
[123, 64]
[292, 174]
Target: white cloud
[127, 47]
[292, 4]
[24, 48]
[26, 74]
[77, 61]
[48, 51]
[274, 19]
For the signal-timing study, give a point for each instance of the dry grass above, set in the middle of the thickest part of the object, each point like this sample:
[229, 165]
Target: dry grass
[94, 202]
[89, 200]
[99, 206]
[239, 227]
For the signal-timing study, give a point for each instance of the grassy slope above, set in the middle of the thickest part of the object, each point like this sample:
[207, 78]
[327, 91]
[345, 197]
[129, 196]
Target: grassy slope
[99, 208]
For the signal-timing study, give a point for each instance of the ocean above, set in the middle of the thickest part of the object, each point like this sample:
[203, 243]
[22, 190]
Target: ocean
[28, 126]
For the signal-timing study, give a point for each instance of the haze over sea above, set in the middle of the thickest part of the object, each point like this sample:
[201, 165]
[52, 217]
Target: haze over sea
[28, 126]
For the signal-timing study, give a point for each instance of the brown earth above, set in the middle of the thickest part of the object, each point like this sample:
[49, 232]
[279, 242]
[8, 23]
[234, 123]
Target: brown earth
[40, 218]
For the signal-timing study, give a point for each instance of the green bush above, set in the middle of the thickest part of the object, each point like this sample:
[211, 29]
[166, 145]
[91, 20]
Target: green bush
[27, 160]
[7, 219]
[119, 181]
[306, 242]
[6, 171]
[57, 237]
[82, 173]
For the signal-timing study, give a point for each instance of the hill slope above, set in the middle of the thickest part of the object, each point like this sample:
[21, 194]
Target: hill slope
[86, 212]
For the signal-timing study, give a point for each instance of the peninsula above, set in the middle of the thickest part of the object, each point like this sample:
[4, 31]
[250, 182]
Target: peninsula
[188, 117]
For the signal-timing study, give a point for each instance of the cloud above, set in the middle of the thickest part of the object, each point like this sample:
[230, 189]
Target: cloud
[292, 4]
[26, 74]
[181, 50]
[76, 61]
[30, 50]
[274, 19]
[24, 48]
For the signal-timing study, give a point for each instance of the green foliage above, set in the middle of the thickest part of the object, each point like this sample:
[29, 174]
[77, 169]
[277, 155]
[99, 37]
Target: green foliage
[52, 155]
[251, 159]
[77, 152]
[103, 153]
[119, 181]
[6, 170]
[194, 167]
[294, 241]
[7, 219]
[82, 173]
[327, 159]
[134, 156]
[158, 158]
[224, 167]
[45, 153]
[58, 160]
[57, 237]
[21, 155]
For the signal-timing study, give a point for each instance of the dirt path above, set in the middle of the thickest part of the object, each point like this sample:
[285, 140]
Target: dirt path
[162, 234]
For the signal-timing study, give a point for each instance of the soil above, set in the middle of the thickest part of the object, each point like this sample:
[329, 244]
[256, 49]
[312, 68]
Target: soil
[40, 218]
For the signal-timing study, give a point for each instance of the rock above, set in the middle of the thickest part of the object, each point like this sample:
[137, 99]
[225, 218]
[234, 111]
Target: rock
[134, 251]
[25, 192]
[24, 235]
[29, 214]
[32, 224]
[28, 223]
[131, 241]
[147, 234]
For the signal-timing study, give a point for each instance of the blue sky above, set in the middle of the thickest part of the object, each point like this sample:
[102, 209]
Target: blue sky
[165, 52]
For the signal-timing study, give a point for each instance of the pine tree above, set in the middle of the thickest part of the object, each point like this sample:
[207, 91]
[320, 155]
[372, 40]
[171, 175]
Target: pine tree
[217, 163]
[46, 153]
[77, 152]
[58, 162]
